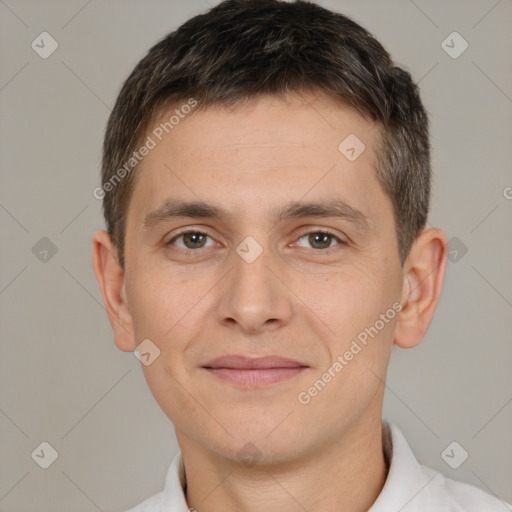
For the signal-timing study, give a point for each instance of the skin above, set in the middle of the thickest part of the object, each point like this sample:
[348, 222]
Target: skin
[295, 300]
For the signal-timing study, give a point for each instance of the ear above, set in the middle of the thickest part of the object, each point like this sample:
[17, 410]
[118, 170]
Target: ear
[423, 279]
[111, 278]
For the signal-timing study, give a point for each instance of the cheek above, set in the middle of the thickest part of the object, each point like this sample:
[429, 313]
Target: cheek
[356, 308]
[349, 301]
[170, 309]
[163, 301]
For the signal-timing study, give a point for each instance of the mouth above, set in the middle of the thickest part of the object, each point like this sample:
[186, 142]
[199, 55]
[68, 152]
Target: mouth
[254, 372]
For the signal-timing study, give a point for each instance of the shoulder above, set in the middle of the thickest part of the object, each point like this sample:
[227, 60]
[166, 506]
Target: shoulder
[172, 496]
[151, 504]
[460, 496]
[413, 487]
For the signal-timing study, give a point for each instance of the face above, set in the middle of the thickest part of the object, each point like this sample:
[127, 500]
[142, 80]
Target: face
[295, 257]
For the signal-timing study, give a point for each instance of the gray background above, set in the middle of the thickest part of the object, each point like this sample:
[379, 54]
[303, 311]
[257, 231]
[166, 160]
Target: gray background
[63, 381]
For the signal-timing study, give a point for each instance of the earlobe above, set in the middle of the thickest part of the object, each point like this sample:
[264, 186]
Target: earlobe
[423, 279]
[111, 279]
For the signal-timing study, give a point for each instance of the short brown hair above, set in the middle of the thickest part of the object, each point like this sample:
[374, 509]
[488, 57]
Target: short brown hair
[241, 49]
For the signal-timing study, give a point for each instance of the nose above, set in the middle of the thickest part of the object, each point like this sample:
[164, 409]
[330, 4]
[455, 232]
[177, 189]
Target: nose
[253, 297]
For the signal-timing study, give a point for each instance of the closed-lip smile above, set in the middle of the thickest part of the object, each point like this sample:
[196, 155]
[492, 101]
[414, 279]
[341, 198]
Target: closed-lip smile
[249, 371]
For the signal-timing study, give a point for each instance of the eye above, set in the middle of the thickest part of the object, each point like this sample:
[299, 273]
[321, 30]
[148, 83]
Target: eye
[320, 240]
[191, 240]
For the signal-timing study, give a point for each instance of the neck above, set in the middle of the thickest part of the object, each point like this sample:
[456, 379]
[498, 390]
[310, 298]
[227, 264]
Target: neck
[344, 476]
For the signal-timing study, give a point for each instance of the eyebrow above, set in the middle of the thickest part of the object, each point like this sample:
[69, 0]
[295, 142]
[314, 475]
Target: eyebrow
[335, 208]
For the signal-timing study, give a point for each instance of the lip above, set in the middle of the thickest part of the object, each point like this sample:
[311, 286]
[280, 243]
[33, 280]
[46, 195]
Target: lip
[254, 371]
[240, 362]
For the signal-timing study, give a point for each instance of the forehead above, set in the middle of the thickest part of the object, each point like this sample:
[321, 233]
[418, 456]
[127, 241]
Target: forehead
[267, 150]
[280, 128]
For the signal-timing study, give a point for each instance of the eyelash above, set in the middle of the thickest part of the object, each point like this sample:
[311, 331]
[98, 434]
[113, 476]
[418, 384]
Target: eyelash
[324, 251]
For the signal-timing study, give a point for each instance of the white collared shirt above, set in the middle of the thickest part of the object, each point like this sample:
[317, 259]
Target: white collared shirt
[409, 487]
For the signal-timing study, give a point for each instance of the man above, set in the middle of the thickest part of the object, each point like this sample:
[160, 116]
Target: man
[266, 183]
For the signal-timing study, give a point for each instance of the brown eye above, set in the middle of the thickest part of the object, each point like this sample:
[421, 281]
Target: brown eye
[319, 240]
[323, 240]
[190, 240]
[194, 240]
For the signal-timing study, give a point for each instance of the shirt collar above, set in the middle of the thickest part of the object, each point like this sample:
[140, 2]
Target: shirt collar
[406, 477]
